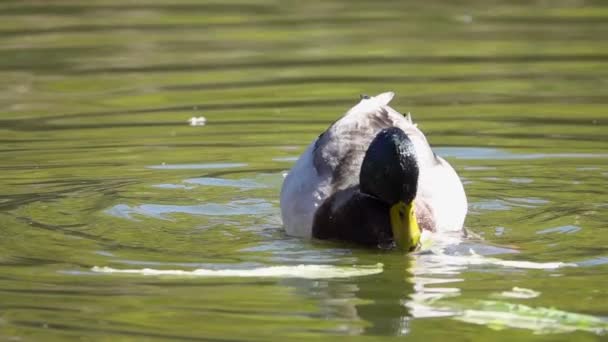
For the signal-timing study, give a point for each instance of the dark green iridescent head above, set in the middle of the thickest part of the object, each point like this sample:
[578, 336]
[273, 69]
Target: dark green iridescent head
[390, 171]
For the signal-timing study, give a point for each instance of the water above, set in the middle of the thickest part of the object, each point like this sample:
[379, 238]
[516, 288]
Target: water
[100, 168]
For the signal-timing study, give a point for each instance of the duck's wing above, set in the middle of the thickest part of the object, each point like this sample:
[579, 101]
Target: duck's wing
[441, 202]
[339, 151]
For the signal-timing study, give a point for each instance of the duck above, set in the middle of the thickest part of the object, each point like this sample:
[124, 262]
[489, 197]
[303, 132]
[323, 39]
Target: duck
[372, 179]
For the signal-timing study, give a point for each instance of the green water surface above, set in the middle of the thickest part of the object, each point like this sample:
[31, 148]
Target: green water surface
[99, 167]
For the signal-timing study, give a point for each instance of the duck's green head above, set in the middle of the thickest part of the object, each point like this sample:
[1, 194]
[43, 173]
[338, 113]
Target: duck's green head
[390, 173]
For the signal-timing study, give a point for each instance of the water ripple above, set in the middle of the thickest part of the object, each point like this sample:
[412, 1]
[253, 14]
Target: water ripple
[221, 182]
[568, 229]
[199, 166]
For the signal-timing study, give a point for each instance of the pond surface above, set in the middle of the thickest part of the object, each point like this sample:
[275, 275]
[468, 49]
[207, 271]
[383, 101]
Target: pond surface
[102, 176]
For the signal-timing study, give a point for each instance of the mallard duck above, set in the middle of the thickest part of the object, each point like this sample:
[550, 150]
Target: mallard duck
[372, 179]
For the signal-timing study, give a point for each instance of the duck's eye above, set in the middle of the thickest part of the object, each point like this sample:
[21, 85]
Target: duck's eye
[364, 97]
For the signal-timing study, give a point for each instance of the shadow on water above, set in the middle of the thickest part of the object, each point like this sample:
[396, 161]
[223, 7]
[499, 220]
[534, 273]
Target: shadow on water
[354, 61]
[205, 26]
[66, 67]
[378, 79]
[76, 9]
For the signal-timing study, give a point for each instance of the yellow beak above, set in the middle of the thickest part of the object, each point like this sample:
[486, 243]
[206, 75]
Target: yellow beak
[405, 226]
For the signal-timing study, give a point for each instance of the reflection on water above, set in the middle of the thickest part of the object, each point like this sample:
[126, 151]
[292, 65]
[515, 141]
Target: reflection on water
[245, 207]
[101, 168]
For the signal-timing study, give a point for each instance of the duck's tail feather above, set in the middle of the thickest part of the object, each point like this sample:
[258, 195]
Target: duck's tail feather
[385, 97]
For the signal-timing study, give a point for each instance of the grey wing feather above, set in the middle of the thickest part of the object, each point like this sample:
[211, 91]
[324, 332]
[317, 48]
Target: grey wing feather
[339, 151]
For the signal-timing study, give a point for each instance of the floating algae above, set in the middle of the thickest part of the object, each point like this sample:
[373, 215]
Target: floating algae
[297, 271]
[499, 315]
